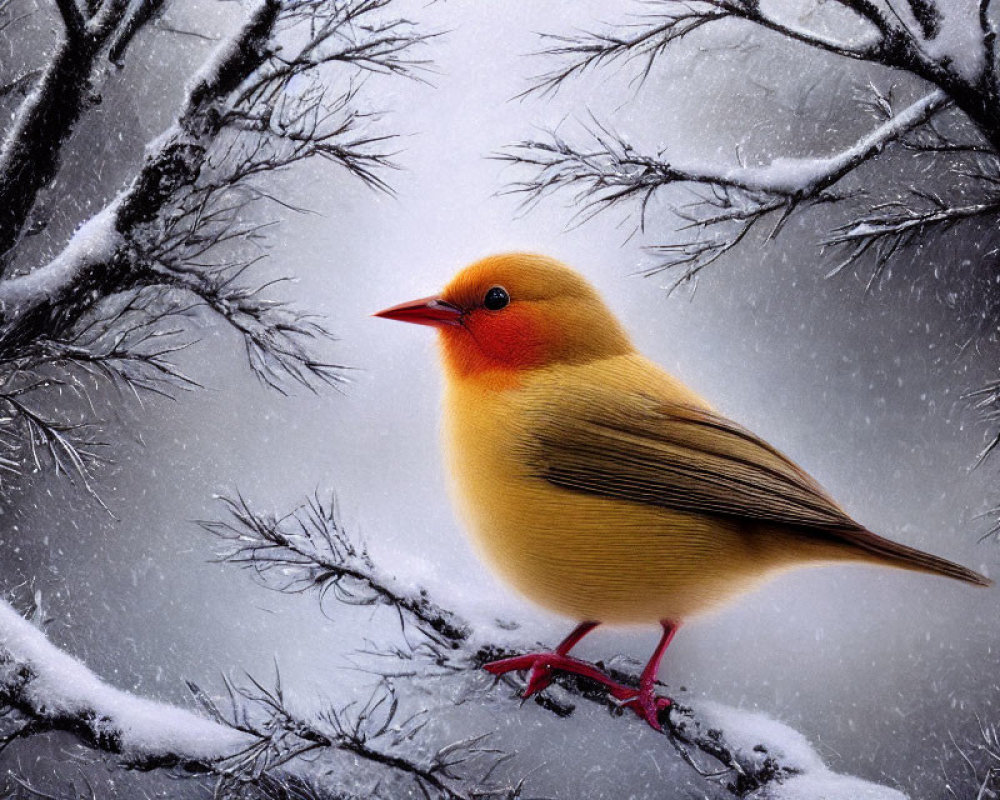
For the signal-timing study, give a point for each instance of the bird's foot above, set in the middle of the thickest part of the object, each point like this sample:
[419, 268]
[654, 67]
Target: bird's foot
[540, 667]
[645, 702]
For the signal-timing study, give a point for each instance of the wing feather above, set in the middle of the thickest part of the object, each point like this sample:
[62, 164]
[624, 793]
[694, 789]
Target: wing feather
[679, 457]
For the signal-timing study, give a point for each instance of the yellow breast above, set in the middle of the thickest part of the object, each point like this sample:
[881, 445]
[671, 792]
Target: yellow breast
[581, 555]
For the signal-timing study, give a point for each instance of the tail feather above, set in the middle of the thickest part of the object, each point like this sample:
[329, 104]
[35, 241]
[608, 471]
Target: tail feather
[899, 555]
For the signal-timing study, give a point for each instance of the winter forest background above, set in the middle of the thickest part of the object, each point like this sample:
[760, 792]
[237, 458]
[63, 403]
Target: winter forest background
[130, 341]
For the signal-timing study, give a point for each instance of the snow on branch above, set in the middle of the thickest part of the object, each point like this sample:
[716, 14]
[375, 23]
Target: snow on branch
[42, 688]
[72, 19]
[182, 243]
[950, 180]
[31, 146]
[729, 202]
[255, 738]
[308, 549]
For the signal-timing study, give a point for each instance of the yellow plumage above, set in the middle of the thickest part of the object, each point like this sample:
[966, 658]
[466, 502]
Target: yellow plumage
[586, 556]
[599, 485]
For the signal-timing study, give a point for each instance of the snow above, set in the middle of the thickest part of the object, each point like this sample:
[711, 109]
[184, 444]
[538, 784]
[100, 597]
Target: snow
[754, 737]
[959, 41]
[94, 243]
[61, 687]
[757, 736]
[826, 785]
[800, 176]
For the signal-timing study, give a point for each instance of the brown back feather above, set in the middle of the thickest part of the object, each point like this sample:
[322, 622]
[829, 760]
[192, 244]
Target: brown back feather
[690, 459]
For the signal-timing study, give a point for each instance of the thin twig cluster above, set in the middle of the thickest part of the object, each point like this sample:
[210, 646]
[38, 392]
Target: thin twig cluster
[182, 245]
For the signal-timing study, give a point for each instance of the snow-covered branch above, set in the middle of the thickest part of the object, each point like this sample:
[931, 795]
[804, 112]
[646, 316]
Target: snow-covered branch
[187, 230]
[31, 147]
[45, 689]
[951, 48]
[257, 737]
[732, 199]
[138, 15]
[72, 19]
[308, 549]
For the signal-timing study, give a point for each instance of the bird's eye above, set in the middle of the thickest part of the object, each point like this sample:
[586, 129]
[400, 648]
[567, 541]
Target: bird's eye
[496, 298]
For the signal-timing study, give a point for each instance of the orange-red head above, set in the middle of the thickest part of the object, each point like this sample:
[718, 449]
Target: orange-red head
[513, 312]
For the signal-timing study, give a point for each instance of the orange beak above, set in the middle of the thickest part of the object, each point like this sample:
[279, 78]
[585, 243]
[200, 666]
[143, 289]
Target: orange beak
[425, 311]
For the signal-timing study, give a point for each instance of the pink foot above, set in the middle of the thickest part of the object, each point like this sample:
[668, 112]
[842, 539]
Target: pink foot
[646, 703]
[643, 701]
[540, 666]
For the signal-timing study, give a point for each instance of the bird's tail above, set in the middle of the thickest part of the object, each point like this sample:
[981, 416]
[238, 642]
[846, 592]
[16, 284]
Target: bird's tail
[894, 554]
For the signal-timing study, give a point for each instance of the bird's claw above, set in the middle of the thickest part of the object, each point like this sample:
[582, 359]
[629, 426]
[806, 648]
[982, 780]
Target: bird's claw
[539, 678]
[540, 668]
[646, 704]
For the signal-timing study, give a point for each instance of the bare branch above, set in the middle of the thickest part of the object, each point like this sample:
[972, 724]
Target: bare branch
[890, 227]
[308, 549]
[980, 766]
[591, 50]
[647, 40]
[374, 733]
[20, 84]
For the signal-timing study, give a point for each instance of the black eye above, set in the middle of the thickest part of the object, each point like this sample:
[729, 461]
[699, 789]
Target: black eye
[496, 298]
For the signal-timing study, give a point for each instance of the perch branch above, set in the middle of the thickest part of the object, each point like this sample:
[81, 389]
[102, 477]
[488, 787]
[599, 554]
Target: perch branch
[308, 549]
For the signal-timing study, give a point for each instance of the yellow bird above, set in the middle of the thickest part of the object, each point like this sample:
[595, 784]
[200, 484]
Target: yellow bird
[602, 487]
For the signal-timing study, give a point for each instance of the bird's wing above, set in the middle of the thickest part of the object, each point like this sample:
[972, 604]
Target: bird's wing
[679, 457]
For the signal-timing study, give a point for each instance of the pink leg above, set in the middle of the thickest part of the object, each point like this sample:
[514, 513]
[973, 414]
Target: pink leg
[645, 701]
[540, 665]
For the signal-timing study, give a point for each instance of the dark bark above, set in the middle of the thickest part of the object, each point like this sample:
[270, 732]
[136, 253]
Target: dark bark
[31, 150]
[29, 158]
[50, 299]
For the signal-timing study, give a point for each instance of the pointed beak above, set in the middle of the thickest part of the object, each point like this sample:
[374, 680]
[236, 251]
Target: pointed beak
[426, 311]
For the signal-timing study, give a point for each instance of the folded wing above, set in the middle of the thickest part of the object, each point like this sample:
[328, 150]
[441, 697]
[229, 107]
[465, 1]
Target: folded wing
[679, 457]
[686, 458]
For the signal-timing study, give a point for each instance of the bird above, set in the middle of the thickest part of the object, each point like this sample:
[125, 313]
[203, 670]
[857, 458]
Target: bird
[599, 485]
